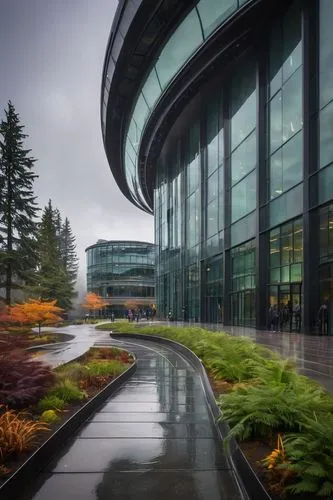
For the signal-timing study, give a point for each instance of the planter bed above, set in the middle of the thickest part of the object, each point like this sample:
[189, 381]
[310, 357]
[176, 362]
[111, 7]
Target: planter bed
[24, 466]
[274, 413]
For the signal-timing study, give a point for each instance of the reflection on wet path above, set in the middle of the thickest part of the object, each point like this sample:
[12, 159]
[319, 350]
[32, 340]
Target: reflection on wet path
[154, 439]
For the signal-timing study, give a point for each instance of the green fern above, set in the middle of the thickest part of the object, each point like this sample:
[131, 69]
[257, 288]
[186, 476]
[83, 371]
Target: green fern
[310, 454]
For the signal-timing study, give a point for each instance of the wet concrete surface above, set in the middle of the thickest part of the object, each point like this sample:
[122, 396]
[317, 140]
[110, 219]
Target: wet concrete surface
[154, 439]
[84, 337]
[312, 354]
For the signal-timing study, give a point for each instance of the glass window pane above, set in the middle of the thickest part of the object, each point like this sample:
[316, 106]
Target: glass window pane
[286, 206]
[243, 197]
[325, 51]
[296, 272]
[275, 59]
[212, 219]
[214, 12]
[275, 174]
[285, 275]
[243, 102]
[326, 135]
[212, 187]
[274, 275]
[243, 159]
[151, 89]
[140, 114]
[193, 159]
[292, 46]
[325, 184]
[298, 241]
[275, 121]
[287, 244]
[274, 244]
[179, 48]
[212, 124]
[292, 155]
[292, 105]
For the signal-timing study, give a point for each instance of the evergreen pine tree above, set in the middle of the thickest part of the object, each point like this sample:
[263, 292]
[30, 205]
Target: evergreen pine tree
[18, 208]
[68, 251]
[54, 281]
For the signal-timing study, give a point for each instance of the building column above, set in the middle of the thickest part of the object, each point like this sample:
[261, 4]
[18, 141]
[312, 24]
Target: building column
[310, 159]
[262, 244]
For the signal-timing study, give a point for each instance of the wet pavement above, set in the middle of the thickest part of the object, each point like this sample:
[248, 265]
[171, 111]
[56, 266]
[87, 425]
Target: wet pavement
[84, 337]
[154, 439]
[312, 354]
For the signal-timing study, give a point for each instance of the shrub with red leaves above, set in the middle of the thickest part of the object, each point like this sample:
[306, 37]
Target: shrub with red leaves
[23, 381]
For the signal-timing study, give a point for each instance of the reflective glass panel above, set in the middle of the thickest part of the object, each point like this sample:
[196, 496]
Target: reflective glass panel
[184, 41]
[326, 135]
[243, 102]
[243, 197]
[213, 12]
[243, 159]
[151, 89]
[325, 51]
[292, 105]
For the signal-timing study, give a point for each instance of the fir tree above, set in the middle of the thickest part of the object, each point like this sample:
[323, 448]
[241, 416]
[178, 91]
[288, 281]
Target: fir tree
[54, 281]
[18, 208]
[68, 251]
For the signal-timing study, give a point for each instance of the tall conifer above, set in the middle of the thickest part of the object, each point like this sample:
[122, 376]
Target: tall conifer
[18, 208]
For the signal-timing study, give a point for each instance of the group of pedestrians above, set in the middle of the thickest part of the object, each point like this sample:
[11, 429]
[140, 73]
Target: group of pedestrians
[288, 317]
[281, 318]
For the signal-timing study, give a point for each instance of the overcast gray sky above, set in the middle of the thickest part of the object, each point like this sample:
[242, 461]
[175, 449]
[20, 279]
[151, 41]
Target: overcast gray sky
[51, 57]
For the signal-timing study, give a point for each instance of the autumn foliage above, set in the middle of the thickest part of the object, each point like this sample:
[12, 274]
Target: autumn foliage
[33, 312]
[23, 381]
[94, 302]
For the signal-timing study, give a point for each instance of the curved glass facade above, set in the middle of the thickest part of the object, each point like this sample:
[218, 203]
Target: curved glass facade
[122, 271]
[244, 188]
[188, 37]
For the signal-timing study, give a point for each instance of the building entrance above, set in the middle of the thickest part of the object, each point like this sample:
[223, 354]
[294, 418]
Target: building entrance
[287, 300]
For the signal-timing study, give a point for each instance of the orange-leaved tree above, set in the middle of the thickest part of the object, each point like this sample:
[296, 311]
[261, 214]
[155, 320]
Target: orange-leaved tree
[94, 302]
[34, 311]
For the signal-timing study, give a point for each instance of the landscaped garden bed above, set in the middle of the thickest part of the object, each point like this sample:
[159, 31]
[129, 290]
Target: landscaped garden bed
[282, 421]
[35, 400]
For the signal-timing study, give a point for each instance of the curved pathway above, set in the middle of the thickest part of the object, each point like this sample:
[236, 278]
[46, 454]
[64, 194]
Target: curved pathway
[153, 440]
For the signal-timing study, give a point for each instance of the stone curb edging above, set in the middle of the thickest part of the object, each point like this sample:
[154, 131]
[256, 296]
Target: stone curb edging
[249, 483]
[36, 463]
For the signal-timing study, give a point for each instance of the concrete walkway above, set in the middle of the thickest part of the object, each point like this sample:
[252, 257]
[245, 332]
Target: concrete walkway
[84, 337]
[153, 440]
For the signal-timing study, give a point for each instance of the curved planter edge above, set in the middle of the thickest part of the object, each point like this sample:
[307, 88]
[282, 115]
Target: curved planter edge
[250, 484]
[36, 462]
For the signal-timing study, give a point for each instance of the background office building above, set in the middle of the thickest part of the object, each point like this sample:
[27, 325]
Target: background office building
[122, 271]
[217, 116]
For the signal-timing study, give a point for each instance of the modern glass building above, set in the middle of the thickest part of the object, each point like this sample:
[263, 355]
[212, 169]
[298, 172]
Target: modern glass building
[122, 271]
[217, 116]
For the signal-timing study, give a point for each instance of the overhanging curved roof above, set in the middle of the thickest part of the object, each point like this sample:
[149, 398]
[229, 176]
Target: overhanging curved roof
[148, 55]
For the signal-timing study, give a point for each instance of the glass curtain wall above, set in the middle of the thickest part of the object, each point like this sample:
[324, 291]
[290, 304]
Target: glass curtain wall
[285, 118]
[286, 276]
[243, 284]
[206, 190]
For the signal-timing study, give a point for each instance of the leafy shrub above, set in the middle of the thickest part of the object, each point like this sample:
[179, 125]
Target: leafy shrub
[50, 402]
[310, 456]
[104, 368]
[23, 381]
[255, 411]
[17, 433]
[67, 391]
[49, 416]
